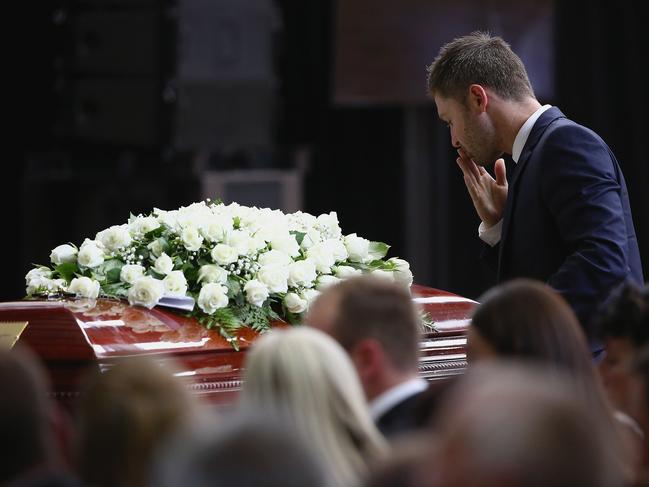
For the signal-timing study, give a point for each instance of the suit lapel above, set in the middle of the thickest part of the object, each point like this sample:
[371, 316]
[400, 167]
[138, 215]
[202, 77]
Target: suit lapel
[546, 118]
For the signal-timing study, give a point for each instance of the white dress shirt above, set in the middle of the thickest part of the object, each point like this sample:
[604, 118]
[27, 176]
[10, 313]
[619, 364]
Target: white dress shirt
[491, 235]
[390, 398]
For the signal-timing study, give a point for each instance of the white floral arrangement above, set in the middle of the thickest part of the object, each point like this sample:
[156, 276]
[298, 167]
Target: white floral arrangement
[235, 265]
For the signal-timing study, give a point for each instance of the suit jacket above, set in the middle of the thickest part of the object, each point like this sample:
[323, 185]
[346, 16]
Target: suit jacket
[415, 412]
[567, 219]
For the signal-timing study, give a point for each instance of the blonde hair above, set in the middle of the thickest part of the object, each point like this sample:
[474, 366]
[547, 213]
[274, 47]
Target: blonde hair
[303, 376]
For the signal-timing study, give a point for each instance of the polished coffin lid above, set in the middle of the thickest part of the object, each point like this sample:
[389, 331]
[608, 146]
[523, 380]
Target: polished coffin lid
[72, 335]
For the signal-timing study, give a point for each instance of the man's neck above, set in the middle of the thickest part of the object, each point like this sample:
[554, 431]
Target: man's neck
[510, 116]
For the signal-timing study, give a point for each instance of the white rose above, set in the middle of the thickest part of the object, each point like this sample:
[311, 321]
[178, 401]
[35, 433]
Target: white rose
[274, 257]
[301, 222]
[337, 248]
[324, 282]
[146, 292]
[381, 274]
[59, 284]
[322, 257]
[256, 292]
[301, 274]
[163, 264]
[45, 284]
[239, 240]
[224, 254]
[244, 243]
[329, 225]
[311, 238]
[286, 244]
[38, 273]
[272, 225]
[141, 225]
[275, 277]
[169, 218]
[217, 227]
[357, 247]
[212, 297]
[402, 274]
[255, 244]
[63, 254]
[212, 273]
[345, 271]
[295, 304]
[84, 287]
[191, 238]
[115, 237]
[90, 255]
[131, 273]
[175, 284]
[156, 248]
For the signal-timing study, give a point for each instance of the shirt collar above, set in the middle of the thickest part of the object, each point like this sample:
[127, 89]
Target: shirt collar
[390, 398]
[524, 132]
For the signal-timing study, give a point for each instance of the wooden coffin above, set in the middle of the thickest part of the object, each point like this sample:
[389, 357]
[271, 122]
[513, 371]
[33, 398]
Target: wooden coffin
[73, 335]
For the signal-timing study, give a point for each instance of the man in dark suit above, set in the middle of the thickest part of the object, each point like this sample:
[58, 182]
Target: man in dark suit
[378, 325]
[564, 218]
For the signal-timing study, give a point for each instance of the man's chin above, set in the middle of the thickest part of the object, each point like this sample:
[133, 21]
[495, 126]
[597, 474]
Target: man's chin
[487, 161]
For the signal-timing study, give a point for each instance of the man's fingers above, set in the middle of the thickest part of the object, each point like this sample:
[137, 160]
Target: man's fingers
[468, 166]
[501, 172]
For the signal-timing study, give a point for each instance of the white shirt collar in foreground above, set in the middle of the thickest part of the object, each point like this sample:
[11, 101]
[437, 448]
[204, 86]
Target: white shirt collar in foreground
[524, 132]
[390, 398]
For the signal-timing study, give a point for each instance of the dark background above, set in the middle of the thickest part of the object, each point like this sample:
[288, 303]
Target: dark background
[111, 112]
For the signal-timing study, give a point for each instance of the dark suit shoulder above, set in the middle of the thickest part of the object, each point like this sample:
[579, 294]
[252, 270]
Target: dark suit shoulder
[415, 412]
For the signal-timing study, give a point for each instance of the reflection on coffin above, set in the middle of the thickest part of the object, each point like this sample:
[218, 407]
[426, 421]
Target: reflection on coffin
[72, 335]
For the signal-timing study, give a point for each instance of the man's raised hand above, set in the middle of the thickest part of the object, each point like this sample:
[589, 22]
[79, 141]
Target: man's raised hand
[488, 194]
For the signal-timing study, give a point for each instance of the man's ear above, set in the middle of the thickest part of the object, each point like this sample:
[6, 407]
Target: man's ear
[367, 356]
[478, 98]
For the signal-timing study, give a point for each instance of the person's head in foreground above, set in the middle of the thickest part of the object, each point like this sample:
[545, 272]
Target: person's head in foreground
[528, 321]
[512, 425]
[25, 417]
[624, 327]
[244, 452]
[126, 414]
[379, 326]
[303, 377]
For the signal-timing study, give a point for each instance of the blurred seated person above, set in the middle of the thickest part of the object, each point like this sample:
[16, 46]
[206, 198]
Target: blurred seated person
[245, 452]
[409, 462]
[624, 327]
[302, 377]
[126, 414]
[526, 320]
[512, 424]
[638, 404]
[31, 454]
[378, 324]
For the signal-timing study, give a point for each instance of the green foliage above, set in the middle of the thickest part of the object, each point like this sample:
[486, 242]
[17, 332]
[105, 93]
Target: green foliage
[67, 270]
[112, 276]
[299, 237]
[378, 250]
[254, 316]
